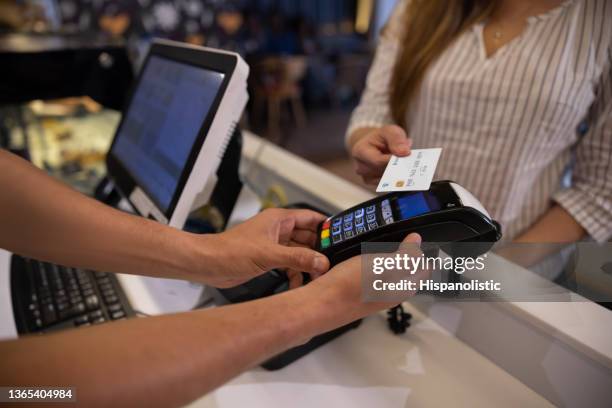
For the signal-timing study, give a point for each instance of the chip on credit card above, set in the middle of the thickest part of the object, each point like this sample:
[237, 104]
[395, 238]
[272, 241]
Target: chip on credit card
[411, 173]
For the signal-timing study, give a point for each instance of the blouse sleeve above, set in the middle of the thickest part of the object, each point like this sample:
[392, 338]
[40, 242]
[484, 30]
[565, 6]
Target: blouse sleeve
[374, 109]
[589, 199]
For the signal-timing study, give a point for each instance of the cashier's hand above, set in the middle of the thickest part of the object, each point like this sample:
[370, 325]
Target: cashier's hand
[340, 289]
[275, 238]
[372, 148]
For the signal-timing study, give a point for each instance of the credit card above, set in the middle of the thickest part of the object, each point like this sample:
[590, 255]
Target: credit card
[410, 173]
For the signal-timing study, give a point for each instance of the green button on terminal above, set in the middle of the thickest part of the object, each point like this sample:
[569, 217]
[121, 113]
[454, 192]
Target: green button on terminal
[325, 243]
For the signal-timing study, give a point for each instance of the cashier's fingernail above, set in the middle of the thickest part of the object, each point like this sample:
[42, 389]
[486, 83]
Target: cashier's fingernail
[320, 264]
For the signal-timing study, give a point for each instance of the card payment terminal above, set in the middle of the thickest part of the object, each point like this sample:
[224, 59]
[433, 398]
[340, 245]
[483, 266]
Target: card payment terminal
[446, 212]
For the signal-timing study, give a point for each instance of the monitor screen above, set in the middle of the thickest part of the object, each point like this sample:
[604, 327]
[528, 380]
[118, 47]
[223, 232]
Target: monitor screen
[414, 204]
[161, 125]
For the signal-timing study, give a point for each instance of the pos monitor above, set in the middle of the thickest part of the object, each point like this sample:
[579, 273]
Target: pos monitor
[180, 116]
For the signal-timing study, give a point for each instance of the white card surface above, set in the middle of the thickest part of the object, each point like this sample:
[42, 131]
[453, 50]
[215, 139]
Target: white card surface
[410, 173]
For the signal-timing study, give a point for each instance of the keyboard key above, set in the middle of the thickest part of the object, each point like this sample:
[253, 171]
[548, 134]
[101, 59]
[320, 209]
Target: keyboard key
[92, 302]
[76, 299]
[103, 280]
[371, 209]
[348, 218]
[348, 234]
[108, 292]
[106, 286]
[117, 315]
[61, 299]
[61, 306]
[337, 222]
[372, 226]
[114, 307]
[336, 238]
[359, 221]
[360, 230]
[98, 320]
[78, 308]
[48, 314]
[359, 213]
[111, 299]
[95, 314]
[371, 218]
[348, 227]
[81, 320]
[41, 276]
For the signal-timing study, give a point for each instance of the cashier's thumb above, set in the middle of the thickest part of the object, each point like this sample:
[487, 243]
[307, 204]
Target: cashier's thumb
[412, 238]
[300, 259]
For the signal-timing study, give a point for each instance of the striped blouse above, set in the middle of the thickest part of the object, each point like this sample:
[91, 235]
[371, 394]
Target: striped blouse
[521, 129]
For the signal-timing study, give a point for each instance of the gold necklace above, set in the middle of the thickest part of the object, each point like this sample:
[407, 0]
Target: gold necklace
[498, 33]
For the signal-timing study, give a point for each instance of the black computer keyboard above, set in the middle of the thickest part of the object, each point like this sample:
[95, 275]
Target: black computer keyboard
[49, 297]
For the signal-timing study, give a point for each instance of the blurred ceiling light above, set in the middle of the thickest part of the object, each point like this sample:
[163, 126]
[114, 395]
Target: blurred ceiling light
[364, 15]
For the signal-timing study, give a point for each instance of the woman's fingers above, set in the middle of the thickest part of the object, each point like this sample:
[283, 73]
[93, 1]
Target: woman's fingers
[396, 140]
[370, 155]
[371, 180]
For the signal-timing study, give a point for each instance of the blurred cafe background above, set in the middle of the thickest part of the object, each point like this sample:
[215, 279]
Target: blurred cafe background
[308, 59]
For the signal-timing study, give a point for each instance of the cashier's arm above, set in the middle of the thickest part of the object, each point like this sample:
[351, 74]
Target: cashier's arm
[170, 360]
[44, 219]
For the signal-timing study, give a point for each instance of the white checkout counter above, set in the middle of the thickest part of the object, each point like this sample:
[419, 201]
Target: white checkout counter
[502, 354]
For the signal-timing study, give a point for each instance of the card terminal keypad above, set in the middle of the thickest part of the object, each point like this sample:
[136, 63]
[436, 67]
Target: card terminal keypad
[340, 228]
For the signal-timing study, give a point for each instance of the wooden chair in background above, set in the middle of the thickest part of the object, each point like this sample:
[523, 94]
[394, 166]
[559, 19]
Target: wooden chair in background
[276, 80]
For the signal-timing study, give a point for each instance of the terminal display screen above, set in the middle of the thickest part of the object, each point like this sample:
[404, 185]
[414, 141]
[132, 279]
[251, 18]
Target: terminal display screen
[415, 204]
